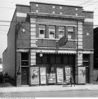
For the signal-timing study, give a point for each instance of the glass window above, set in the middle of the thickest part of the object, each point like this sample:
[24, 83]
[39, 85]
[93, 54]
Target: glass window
[24, 59]
[71, 33]
[51, 31]
[58, 60]
[52, 59]
[41, 31]
[61, 31]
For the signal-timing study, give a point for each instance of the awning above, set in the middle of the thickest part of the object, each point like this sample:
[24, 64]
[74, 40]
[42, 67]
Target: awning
[56, 51]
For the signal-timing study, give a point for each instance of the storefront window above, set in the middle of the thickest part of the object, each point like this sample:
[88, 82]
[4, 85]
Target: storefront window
[41, 31]
[52, 59]
[71, 32]
[61, 31]
[58, 60]
[51, 31]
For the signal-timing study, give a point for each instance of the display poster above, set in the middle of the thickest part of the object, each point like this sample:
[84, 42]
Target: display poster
[51, 78]
[68, 79]
[34, 75]
[67, 74]
[81, 75]
[67, 71]
[43, 75]
[59, 75]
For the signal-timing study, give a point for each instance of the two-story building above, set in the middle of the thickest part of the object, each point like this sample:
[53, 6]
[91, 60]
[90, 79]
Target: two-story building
[37, 54]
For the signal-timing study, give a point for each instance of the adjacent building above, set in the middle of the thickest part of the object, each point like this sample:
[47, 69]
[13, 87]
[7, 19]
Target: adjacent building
[95, 55]
[36, 53]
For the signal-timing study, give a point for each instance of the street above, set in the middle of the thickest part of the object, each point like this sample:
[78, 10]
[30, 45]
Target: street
[67, 93]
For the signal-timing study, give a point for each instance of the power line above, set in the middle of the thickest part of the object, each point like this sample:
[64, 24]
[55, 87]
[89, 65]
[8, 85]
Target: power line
[7, 8]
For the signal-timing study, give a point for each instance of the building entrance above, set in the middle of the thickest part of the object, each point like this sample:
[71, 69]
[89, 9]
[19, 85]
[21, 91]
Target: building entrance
[24, 76]
[24, 68]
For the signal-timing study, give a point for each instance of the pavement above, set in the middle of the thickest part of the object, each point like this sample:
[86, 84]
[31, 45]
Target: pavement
[47, 88]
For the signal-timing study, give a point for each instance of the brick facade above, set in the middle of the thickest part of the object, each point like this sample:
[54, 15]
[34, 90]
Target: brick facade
[28, 19]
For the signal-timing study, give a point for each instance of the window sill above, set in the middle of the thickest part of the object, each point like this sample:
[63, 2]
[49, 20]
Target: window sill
[55, 39]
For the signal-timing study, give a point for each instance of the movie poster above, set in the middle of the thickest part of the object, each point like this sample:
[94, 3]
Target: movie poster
[43, 75]
[81, 75]
[51, 78]
[34, 75]
[59, 75]
[67, 71]
[67, 74]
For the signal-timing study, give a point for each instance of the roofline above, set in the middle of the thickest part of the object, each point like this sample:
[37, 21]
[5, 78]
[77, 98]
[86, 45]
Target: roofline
[11, 20]
[88, 11]
[22, 5]
[57, 4]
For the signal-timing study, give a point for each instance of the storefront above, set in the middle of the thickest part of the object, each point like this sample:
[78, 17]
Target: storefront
[51, 69]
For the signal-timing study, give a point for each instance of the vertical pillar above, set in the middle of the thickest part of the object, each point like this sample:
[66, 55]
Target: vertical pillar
[33, 28]
[33, 32]
[33, 41]
[79, 50]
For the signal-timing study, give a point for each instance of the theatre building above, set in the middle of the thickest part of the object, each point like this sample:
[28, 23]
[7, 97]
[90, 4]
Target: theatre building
[48, 44]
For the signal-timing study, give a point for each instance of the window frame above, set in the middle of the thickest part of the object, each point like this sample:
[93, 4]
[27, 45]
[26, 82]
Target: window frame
[71, 33]
[61, 30]
[53, 30]
[40, 28]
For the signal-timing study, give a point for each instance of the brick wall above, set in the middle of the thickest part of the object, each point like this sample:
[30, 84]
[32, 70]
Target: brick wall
[55, 9]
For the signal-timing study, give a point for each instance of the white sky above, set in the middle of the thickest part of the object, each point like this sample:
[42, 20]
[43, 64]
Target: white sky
[7, 8]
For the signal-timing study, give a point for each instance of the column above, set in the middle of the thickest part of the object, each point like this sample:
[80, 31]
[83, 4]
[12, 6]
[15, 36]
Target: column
[80, 54]
[33, 32]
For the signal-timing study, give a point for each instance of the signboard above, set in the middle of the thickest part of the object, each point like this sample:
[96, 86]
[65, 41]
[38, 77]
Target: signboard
[67, 74]
[62, 41]
[34, 75]
[81, 75]
[43, 75]
[51, 78]
[59, 75]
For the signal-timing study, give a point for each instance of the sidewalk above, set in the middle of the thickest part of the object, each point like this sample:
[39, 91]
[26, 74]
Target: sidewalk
[48, 88]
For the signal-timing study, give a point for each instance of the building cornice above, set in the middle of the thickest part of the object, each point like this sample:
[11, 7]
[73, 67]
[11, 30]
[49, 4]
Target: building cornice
[47, 15]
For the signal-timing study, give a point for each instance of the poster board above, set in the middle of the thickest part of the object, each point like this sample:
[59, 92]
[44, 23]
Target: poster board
[81, 75]
[51, 78]
[67, 74]
[43, 75]
[34, 75]
[60, 75]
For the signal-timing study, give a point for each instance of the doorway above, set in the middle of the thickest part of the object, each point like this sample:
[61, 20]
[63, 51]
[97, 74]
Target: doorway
[24, 68]
[24, 76]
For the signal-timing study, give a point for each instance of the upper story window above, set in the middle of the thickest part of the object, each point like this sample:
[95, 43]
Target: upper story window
[51, 31]
[61, 31]
[41, 31]
[71, 32]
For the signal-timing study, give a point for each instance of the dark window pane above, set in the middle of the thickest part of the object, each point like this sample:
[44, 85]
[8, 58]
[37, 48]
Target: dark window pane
[65, 60]
[38, 59]
[52, 59]
[45, 61]
[24, 56]
[58, 60]
[41, 31]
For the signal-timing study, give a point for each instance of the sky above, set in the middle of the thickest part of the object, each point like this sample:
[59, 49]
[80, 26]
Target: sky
[7, 8]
